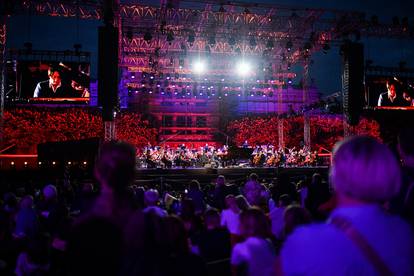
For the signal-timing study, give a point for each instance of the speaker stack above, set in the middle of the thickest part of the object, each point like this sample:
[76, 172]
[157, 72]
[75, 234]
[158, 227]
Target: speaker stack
[352, 80]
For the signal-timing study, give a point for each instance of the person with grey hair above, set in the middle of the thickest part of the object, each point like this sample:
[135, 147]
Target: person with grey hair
[151, 198]
[52, 211]
[359, 238]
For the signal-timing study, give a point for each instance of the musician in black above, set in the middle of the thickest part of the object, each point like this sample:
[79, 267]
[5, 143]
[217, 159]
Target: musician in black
[391, 97]
[53, 87]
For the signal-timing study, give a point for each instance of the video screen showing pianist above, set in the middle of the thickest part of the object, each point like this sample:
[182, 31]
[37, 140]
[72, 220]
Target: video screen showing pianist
[39, 81]
[393, 96]
[57, 86]
[389, 92]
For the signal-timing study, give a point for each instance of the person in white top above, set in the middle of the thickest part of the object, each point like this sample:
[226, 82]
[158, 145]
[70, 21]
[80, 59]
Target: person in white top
[230, 216]
[256, 255]
[277, 216]
[367, 240]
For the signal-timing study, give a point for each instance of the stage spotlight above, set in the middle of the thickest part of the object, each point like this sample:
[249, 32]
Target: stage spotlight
[289, 81]
[243, 68]
[199, 67]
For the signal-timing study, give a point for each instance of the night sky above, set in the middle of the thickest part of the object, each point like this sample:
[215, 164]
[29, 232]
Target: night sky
[54, 33]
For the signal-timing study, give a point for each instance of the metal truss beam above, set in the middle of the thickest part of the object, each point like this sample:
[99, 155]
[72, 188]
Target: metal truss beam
[3, 33]
[83, 10]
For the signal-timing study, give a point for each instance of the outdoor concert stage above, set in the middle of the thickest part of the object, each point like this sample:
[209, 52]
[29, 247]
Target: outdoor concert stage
[176, 178]
[237, 175]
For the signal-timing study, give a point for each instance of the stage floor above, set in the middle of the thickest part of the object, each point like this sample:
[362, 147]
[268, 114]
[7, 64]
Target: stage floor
[234, 175]
[177, 178]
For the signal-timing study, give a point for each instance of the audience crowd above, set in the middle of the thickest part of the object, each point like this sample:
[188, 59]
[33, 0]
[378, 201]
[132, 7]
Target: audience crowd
[357, 222]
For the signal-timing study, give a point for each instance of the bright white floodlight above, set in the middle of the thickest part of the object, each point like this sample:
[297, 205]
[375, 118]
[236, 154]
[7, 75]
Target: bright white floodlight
[243, 68]
[199, 67]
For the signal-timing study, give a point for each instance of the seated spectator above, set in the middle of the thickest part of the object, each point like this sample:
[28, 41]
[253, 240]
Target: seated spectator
[242, 203]
[139, 198]
[303, 189]
[221, 190]
[197, 196]
[10, 205]
[192, 221]
[293, 217]
[256, 255]
[276, 216]
[254, 192]
[35, 259]
[94, 248]
[284, 185]
[27, 224]
[151, 198]
[52, 212]
[318, 193]
[180, 261]
[84, 201]
[230, 218]
[359, 237]
[213, 244]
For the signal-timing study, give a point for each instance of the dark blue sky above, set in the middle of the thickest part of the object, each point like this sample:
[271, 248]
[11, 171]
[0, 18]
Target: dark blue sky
[54, 33]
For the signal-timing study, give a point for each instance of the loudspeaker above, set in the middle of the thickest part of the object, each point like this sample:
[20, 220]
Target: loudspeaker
[74, 151]
[352, 80]
[108, 70]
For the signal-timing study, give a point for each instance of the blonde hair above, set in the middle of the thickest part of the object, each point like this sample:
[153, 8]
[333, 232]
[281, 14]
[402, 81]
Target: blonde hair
[365, 169]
